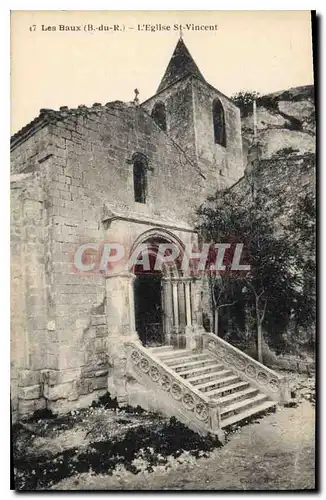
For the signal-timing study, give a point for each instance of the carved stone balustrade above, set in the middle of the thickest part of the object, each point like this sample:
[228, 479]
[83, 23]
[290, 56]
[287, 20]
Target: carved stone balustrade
[266, 380]
[189, 405]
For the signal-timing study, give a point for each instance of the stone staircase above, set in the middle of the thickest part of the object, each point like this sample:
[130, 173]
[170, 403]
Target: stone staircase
[209, 385]
[237, 398]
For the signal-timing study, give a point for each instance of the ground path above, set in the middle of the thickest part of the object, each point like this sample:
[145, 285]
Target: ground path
[273, 453]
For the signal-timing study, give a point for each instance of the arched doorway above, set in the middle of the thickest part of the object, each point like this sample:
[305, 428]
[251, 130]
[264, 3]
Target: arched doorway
[155, 309]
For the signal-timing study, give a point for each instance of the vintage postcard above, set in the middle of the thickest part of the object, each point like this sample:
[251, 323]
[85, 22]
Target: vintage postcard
[163, 283]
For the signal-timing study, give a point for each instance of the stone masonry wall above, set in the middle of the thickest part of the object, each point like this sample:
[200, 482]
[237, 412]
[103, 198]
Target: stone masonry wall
[189, 116]
[86, 163]
[222, 166]
[96, 150]
[30, 350]
[30, 154]
[178, 102]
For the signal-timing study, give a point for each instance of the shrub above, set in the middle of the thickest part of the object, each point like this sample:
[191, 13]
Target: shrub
[244, 100]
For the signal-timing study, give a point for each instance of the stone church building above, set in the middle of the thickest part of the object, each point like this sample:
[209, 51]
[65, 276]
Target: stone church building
[134, 174]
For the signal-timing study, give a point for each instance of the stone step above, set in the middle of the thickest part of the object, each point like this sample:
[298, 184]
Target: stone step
[215, 375]
[194, 371]
[218, 383]
[238, 417]
[193, 364]
[215, 394]
[174, 354]
[240, 406]
[183, 360]
[161, 349]
[237, 396]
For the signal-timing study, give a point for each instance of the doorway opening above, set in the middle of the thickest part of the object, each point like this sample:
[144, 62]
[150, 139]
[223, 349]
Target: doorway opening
[156, 306]
[148, 308]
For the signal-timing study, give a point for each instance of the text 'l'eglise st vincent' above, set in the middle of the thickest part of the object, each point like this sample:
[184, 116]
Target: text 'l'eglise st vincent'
[177, 27]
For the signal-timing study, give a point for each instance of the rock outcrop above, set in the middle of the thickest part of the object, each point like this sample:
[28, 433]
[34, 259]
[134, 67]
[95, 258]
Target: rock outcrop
[285, 123]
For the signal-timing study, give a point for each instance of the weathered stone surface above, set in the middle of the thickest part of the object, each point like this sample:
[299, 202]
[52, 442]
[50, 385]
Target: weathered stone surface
[98, 319]
[101, 373]
[84, 386]
[54, 377]
[27, 407]
[98, 383]
[60, 391]
[285, 119]
[274, 140]
[286, 179]
[31, 392]
[63, 406]
[28, 378]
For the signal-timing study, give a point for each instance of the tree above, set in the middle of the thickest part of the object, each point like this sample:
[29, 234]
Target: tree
[244, 100]
[220, 294]
[302, 228]
[273, 279]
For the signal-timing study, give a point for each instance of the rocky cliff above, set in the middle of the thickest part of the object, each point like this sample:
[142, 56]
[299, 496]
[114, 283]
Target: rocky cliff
[285, 124]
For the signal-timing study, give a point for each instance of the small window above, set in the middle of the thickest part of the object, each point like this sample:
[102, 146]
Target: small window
[159, 115]
[219, 123]
[140, 180]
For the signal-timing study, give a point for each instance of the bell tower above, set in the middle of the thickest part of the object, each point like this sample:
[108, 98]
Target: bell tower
[203, 122]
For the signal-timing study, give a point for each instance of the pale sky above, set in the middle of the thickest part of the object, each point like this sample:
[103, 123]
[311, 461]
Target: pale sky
[264, 51]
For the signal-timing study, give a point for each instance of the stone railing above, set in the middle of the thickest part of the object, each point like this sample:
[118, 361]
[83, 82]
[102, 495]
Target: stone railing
[266, 380]
[193, 408]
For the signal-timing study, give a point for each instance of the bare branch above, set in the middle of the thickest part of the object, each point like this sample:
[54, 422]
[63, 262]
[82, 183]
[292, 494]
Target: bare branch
[225, 305]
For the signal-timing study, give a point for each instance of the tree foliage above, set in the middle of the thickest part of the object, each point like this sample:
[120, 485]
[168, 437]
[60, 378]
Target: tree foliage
[274, 285]
[302, 228]
[244, 100]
